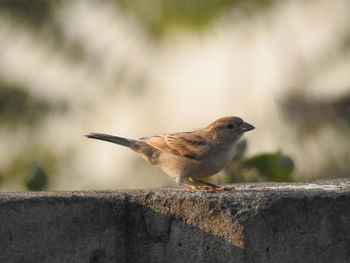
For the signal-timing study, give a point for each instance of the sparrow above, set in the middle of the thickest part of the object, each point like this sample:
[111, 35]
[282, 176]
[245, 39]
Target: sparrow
[189, 156]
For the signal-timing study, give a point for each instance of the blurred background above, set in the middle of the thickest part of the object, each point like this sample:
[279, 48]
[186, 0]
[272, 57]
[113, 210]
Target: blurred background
[140, 68]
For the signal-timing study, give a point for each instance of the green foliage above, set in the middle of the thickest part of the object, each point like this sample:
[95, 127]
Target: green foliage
[264, 167]
[37, 180]
[157, 16]
[271, 166]
[33, 12]
[18, 107]
[24, 173]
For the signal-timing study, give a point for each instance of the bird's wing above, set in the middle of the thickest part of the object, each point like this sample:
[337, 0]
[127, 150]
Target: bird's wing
[187, 144]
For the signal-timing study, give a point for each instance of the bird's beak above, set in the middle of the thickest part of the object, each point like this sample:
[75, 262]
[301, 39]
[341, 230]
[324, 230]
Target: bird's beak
[246, 127]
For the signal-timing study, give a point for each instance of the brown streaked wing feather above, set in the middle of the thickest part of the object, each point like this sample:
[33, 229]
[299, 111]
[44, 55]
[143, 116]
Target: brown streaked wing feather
[188, 144]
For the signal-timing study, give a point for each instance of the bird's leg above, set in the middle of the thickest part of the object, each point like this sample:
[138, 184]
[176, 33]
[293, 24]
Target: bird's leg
[207, 186]
[203, 182]
[182, 182]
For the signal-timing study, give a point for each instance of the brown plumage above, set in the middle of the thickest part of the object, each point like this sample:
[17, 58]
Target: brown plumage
[189, 155]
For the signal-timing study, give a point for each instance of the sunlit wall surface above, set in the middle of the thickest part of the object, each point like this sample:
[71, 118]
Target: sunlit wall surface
[139, 68]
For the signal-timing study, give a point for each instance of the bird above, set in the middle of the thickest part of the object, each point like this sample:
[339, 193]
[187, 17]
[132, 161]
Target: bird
[192, 155]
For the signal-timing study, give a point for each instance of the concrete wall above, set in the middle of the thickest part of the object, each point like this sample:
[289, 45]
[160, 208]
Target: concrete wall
[252, 223]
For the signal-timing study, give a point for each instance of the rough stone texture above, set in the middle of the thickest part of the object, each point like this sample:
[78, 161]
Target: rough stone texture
[254, 223]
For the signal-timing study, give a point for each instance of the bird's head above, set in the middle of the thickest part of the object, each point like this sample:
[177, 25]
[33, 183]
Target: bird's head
[228, 129]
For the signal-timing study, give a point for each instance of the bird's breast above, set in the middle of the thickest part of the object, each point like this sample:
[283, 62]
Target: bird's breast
[210, 163]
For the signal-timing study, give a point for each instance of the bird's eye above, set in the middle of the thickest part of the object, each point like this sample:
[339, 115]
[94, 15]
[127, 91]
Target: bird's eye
[230, 126]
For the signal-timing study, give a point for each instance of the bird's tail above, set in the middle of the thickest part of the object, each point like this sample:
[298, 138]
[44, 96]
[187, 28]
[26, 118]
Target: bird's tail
[114, 139]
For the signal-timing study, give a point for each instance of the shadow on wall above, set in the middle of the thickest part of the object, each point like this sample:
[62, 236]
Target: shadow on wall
[115, 228]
